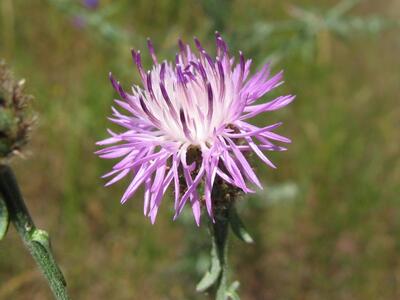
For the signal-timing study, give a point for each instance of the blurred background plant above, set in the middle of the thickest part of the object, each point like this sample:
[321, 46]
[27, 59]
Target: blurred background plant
[326, 226]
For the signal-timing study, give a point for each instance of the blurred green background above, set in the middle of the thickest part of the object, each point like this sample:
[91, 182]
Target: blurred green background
[327, 225]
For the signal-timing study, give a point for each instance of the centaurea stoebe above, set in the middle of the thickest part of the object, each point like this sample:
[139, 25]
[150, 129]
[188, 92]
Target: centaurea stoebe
[187, 125]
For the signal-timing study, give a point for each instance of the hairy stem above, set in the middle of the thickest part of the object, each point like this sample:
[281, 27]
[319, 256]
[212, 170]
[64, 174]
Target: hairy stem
[37, 241]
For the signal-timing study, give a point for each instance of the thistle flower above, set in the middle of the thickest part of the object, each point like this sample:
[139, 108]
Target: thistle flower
[187, 126]
[15, 121]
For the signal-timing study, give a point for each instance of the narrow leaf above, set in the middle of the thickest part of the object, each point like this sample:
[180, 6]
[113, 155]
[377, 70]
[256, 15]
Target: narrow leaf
[238, 228]
[231, 293]
[4, 218]
[213, 274]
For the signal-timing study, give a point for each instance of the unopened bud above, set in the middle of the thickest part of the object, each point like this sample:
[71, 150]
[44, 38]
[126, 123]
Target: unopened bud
[15, 121]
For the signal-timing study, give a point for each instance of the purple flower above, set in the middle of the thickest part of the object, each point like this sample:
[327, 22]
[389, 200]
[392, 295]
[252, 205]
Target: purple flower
[187, 126]
[92, 4]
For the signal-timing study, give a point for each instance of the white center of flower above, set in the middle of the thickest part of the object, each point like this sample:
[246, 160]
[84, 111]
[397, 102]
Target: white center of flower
[187, 106]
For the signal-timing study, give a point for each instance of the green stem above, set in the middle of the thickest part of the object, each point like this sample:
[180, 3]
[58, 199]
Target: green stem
[220, 230]
[37, 241]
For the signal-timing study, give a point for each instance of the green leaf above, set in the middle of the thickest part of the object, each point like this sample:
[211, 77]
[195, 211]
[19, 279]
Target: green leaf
[4, 218]
[238, 228]
[41, 237]
[232, 291]
[213, 274]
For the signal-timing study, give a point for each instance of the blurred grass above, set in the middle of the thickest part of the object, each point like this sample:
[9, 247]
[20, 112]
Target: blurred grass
[327, 224]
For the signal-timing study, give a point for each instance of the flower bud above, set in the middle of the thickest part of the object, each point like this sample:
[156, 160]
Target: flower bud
[15, 121]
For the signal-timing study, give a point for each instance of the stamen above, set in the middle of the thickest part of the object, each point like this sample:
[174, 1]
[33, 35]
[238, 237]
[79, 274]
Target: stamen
[183, 52]
[168, 101]
[148, 113]
[242, 69]
[181, 45]
[117, 87]
[222, 48]
[121, 91]
[184, 124]
[138, 62]
[151, 50]
[222, 80]
[199, 67]
[162, 72]
[181, 77]
[113, 82]
[209, 59]
[210, 102]
[149, 86]
[198, 45]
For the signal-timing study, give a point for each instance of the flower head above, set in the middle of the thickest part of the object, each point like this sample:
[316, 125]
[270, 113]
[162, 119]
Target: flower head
[187, 126]
[15, 119]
